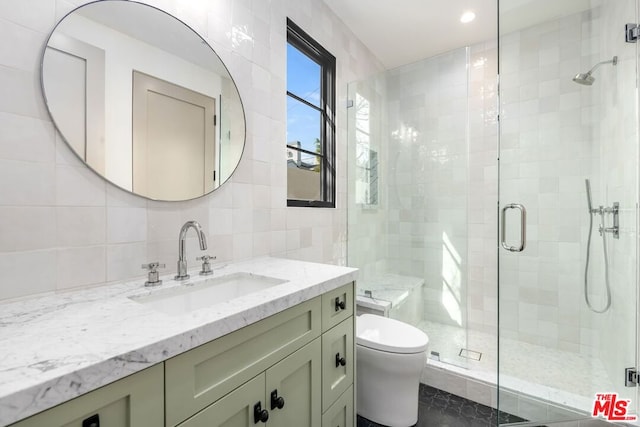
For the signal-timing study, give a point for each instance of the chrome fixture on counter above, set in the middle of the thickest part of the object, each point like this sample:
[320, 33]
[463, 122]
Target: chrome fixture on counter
[182, 260]
[206, 264]
[153, 277]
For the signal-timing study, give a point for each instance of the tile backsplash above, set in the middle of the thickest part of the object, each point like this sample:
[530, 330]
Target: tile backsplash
[62, 226]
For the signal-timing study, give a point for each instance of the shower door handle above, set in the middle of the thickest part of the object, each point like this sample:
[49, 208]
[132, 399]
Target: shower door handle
[523, 227]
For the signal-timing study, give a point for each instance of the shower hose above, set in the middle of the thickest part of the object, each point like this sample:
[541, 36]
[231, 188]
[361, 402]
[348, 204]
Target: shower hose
[606, 263]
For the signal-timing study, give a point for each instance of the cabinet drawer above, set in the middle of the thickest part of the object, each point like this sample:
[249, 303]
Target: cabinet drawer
[338, 361]
[132, 401]
[340, 414]
[201, 376]
[337, 305]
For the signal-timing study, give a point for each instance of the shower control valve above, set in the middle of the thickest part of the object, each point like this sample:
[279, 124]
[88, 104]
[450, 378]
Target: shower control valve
[615, 229]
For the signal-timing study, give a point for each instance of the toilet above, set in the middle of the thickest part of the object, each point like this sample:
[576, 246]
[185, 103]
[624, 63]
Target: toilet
[390, 358]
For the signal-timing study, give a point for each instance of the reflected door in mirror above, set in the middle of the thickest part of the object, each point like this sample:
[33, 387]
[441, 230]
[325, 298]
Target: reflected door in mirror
[76, 83]
[173, 140]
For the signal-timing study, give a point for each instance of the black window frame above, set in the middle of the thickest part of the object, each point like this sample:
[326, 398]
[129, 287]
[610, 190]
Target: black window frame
[302, 41]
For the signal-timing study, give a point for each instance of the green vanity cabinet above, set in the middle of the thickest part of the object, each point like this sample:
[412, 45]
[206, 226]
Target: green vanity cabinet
[303, 355]
[134, 401]
[288, 394]
[298, 365]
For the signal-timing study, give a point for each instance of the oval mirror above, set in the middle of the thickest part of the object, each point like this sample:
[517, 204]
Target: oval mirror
[143, 100]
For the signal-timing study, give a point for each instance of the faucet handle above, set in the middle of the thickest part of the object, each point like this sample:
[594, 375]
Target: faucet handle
[153, 276]
[206, 265]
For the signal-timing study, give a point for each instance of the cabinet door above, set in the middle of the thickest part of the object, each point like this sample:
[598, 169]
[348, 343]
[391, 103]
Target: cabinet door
[340, 414]
[134, 401]
[297, 380]
[337, 361]
[236, 409]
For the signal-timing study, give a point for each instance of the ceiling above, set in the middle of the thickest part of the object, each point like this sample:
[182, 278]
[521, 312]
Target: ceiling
[404, 31]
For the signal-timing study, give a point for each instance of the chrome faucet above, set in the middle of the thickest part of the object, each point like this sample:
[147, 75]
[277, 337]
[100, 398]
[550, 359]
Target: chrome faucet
[182, 261]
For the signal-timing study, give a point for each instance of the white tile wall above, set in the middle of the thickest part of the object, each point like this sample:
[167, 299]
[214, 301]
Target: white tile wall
[61, 226]
[547, 152]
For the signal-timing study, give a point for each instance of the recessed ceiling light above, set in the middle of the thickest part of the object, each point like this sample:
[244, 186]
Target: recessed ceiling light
[467, 17]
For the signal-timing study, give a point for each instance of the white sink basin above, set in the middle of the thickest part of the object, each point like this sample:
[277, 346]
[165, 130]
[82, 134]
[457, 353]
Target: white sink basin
[215, 290]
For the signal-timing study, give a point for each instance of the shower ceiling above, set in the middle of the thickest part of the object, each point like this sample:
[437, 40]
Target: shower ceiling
[405, 31]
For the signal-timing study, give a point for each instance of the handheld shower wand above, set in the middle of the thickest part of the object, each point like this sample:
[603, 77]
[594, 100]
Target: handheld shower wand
[600, 210]
[588, 185]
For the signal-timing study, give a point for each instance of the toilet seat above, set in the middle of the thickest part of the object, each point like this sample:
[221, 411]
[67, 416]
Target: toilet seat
[389, 335]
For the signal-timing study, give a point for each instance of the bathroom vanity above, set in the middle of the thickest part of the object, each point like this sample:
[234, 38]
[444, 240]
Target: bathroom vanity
[280, 356]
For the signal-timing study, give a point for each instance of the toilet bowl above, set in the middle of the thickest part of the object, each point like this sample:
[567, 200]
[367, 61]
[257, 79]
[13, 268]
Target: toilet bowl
[390, 358]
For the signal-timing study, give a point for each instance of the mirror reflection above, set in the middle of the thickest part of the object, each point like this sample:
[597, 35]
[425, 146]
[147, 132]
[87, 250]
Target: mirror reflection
[143, 100]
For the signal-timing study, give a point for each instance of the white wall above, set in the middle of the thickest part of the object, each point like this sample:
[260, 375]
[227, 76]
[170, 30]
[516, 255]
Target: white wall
[61, 226]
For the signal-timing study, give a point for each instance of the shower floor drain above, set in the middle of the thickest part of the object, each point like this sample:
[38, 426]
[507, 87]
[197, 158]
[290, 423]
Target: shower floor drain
[470, 354]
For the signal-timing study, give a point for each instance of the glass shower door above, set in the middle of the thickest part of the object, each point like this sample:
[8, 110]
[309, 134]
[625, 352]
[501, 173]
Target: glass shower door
[408, 144]
[568, 197]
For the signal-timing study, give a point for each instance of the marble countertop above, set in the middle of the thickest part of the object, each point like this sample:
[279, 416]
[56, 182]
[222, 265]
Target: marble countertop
[56, 347]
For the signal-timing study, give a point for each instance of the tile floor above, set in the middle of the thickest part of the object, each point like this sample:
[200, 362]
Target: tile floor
[437, 408]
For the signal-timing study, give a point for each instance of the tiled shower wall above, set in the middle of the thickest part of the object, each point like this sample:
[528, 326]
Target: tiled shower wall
[368, 222]
[428, 185]
[547, 150]
[438, 175]
[555, 134]
[62, 227]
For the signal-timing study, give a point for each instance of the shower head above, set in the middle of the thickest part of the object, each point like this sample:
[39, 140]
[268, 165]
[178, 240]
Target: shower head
[586, 78]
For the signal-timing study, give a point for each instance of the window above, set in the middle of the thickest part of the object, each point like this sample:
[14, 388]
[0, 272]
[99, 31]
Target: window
[311, 73]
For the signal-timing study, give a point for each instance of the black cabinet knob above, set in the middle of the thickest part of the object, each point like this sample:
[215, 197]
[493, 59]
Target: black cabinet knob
[259, 414]
[340, 361]
[340, 305]
[276, 401]
[92, 421]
